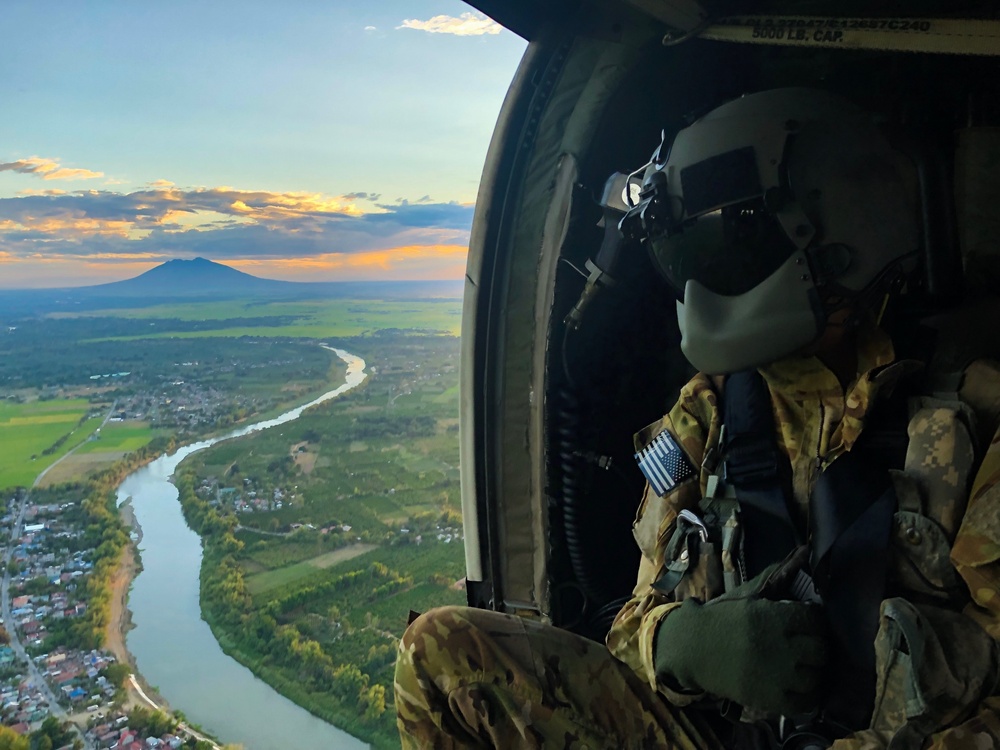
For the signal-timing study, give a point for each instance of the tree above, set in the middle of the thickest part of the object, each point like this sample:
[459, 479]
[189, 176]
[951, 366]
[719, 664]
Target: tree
[11, 740]
[117, 673]
[372, 701]
[49, 735]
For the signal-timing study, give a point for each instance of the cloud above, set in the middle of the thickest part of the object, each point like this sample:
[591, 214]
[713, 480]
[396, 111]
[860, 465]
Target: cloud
[33, 191]
[161, 184]
[370, 28]
[48, 169]
[234, 225]
[403, 262]
[467, 24]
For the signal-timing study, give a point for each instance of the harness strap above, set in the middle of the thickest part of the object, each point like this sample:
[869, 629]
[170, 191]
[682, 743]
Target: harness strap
[850, 517]
[757, 470]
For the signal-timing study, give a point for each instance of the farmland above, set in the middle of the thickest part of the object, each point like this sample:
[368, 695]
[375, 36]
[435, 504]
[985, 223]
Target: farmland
[336, 556]
[300, 319]
[120, 437]
[30, 435]
[319, 535]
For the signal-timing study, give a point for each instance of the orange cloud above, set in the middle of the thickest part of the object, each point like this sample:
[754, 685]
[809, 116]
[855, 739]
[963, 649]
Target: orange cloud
[70, 224]
[23, 271]
[408, 262]
[48, 169]
[72, 174]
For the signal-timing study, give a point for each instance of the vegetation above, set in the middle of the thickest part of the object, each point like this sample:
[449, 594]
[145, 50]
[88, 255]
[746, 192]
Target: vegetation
[105, 536]
[319, 537]
[11, 740]
[34, 435]
[313, 596]
[151, 723]
[315, 319]
[123, 437]
[51, 734]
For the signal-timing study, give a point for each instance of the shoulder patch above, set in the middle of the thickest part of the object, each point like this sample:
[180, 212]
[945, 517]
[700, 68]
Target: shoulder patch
[664, 464]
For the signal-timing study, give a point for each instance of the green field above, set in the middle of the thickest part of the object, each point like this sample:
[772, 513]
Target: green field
[311, 319]
[382, 481]
[291, 574]
[121, 436]
[27, 430]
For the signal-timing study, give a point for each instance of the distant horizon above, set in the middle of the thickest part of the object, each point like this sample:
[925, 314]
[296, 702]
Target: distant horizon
[230, 265]
[318, 142]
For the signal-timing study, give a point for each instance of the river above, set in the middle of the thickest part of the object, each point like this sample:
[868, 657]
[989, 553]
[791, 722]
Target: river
[174, 648]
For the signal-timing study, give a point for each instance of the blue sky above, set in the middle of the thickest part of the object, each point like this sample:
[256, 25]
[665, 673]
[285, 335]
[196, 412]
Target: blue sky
[317, 140]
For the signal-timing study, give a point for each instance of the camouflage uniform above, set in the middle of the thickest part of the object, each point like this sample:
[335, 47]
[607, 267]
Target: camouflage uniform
[467, 678]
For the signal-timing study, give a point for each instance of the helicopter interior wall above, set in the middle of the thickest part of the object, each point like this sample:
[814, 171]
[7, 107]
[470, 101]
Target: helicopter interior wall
[623, 368]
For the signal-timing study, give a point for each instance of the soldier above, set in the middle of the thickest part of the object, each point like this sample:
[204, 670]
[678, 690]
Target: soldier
[819, 541]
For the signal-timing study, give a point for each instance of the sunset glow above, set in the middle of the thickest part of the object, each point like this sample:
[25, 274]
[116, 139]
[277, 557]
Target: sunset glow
[125, 149]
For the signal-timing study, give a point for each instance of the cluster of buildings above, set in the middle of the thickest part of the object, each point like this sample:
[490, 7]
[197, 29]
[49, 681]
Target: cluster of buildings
[116, 735]
[179, 404]
[22, 704]
[446, 534]
[76, 678]
[49, 568]
[248, 498]
[48, 572]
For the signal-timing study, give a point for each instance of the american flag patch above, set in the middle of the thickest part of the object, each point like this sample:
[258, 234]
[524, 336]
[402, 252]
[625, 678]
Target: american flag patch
[664, 464]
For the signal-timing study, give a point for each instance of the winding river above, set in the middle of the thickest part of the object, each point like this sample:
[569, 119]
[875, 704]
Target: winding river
[174, 648]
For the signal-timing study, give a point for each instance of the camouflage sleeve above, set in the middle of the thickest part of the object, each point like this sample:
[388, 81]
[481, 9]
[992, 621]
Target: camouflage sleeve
[631, 637]
[964, 672]
[976, 552]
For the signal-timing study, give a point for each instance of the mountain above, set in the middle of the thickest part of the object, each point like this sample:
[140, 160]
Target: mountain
[192, 278]
[201, 279]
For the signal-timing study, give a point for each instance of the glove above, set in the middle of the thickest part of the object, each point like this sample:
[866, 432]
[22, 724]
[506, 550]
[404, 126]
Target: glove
[763, 654]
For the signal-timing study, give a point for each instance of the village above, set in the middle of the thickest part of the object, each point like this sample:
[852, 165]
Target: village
[183, 406]
[44, 674]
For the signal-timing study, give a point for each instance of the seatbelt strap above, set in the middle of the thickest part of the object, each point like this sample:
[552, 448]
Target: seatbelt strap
[953, 36]
[851, 512]
[759, 473]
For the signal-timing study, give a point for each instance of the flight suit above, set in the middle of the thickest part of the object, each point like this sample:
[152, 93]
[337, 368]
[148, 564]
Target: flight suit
[475, 678]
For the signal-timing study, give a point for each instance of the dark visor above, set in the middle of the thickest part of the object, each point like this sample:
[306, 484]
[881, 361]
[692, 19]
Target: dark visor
[720, 181]
[730, 250]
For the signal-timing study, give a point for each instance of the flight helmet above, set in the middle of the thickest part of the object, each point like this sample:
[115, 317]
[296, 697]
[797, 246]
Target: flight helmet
[767, 214]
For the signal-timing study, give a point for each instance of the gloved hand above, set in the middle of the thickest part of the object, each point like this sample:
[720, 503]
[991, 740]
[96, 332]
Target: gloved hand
[764, 654]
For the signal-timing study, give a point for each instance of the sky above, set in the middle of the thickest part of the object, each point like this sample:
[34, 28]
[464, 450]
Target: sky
[316, 140]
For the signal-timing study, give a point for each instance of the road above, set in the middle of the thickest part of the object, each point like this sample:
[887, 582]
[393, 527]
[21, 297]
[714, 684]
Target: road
[72, 450]
[182, 726]
[34, 675]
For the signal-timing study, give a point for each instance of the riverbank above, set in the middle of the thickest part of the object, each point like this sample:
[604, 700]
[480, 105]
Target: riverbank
[139, 692]
[173, 644]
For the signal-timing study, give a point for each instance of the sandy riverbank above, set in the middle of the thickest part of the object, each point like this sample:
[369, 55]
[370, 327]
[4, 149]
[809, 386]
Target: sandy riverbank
[121, 618]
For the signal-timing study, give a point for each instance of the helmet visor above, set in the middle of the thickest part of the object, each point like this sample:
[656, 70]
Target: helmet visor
[729, 251]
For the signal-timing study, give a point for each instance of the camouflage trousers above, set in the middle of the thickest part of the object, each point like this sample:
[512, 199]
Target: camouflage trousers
[473, 678]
